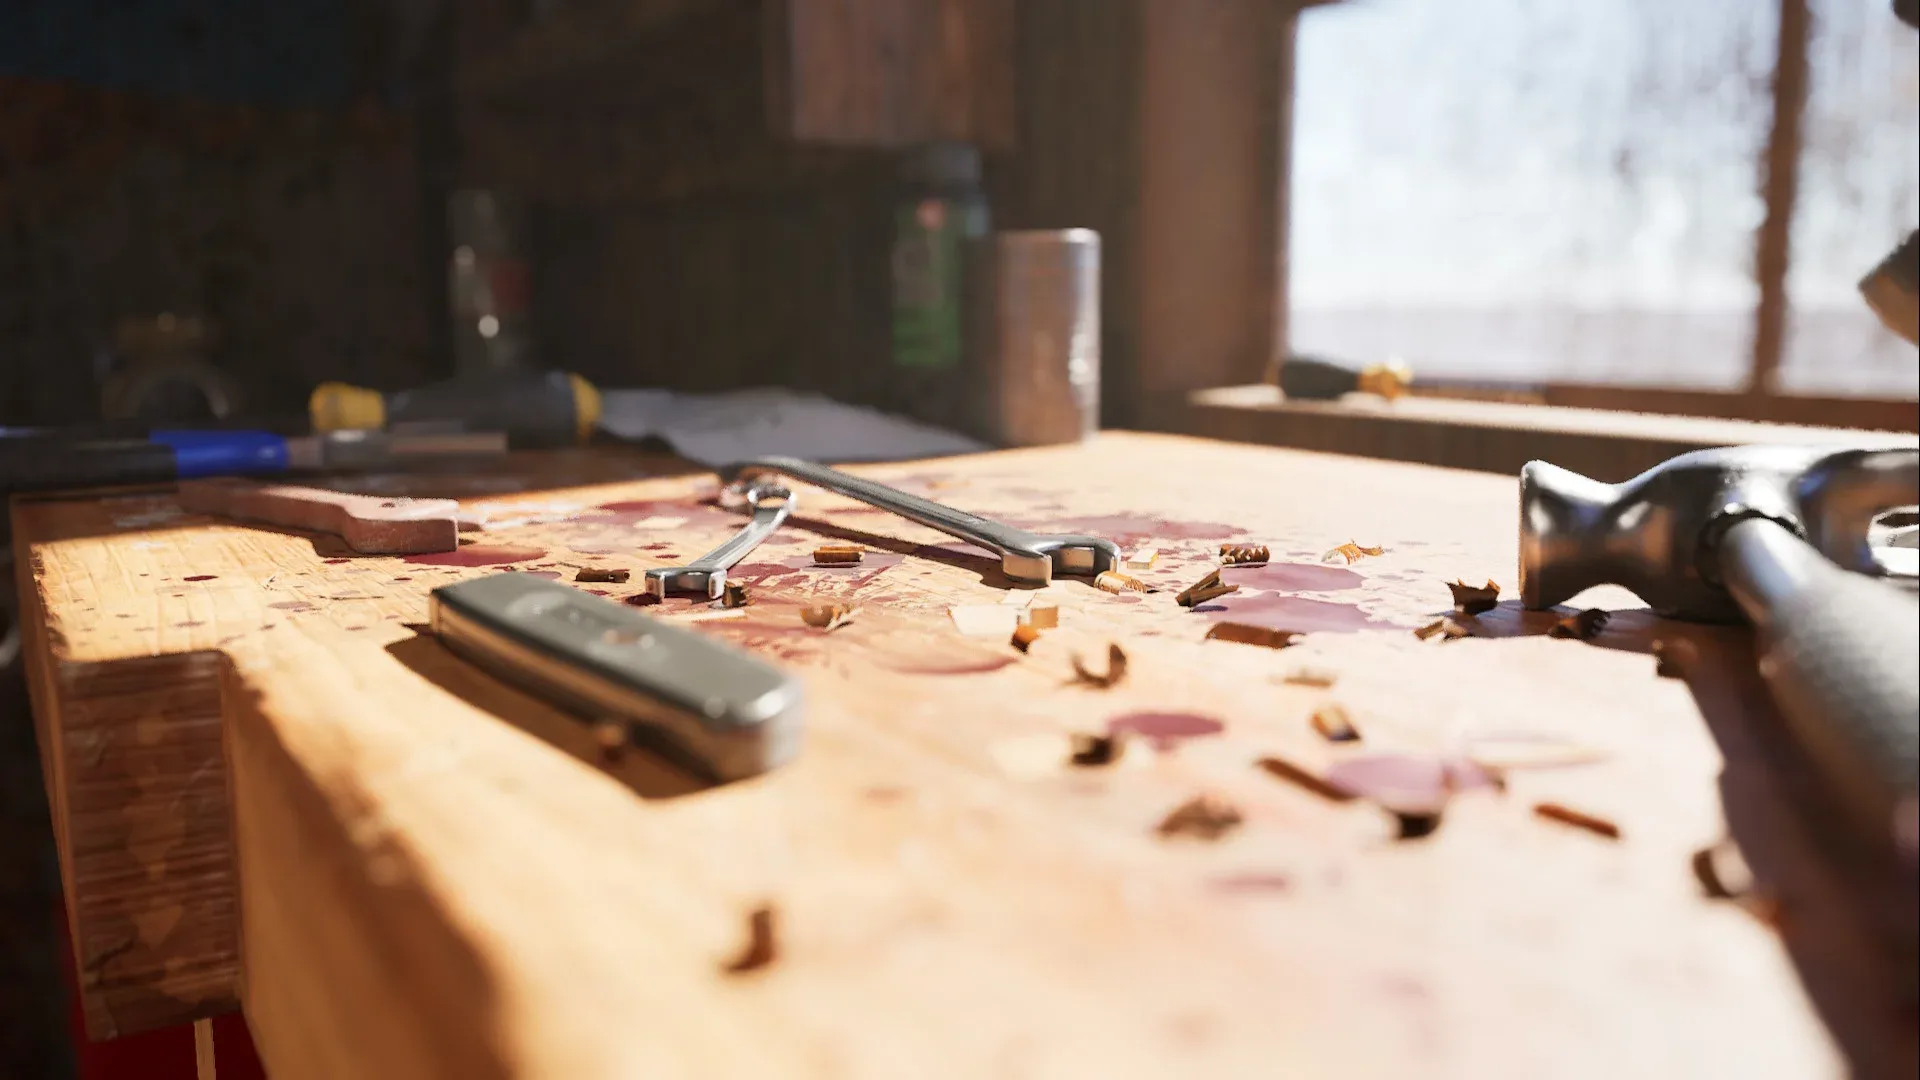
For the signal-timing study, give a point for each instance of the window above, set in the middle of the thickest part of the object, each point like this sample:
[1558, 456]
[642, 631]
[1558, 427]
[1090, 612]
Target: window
[1563, 191]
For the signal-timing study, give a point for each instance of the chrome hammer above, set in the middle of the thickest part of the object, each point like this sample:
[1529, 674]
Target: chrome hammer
[1777, 535]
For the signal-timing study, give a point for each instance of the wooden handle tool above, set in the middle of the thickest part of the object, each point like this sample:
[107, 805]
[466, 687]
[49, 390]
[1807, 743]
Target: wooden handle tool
[370, 524]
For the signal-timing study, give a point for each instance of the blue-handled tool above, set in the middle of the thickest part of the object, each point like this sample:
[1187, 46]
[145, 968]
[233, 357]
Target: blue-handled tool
[48, 461]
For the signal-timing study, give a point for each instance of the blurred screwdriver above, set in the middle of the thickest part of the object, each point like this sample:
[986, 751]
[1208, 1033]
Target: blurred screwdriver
[44, 461]
[532, 408]
[1311, 378]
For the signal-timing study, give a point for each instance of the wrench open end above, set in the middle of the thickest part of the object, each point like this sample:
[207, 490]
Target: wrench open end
[707, 575]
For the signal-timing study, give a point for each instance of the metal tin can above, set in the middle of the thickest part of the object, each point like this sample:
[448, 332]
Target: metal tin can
[1037, 336]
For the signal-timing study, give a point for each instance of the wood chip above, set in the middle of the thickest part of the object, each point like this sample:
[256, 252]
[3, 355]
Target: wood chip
[1041, 616]
[984, 620]
[1203, 817]
[1204, 590]
[838, 554]
[828, 617]
[1243, 554]
[1444, 628]
[1017, 598]
[1309, 677]
[616, 575]
[1248, 634]
[1114, 581]
[763, 944]
[1334, 725]
[1722, 871]
[1141, 558]
[1674, 658]
[1351, 552]
[1304, 778]
[1581, 625]
[1579, 819]
[734, 596]
[1416, 826]
[1116, 668]
[1024, 635]
[1474, 599]
[1091, 750]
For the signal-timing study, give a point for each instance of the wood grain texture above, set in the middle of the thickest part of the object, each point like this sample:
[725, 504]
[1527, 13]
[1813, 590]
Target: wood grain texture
[432, 884]
[369, 524]
[892, 74]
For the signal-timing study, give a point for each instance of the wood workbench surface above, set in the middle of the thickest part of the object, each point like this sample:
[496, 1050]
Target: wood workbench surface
[271, 787]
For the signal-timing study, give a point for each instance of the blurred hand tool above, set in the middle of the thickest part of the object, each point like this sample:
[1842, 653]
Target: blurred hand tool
[1024, 556]
[1310, 378]
[533, 408]
[1779, 535]
[48, 461]
[370, 524]
[707, 575]
[707, 704]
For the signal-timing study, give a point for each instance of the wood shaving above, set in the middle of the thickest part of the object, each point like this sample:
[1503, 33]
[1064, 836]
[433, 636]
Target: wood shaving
[828, 617]
[1203, 817]
[1505, 753]
[1351, 552]
[1116, 668]
[1141, 558]
[1090, 750]
[1304, 778]
[1581, 625]
[838, 554]
[734, 596]
[1474, 599]
[1444, 628]
[1248, 634]
[1041, 616]
[1673, 659]
[617, 575]
[1024, 635]
[1309, 677]
[1579, 819]
[1243, 554]
[1114, 581]
[1722, 871]
[1204, 590]
[1017, 598]
[1334, 725]
[763, 943]
[1416, 826]
[984, 620]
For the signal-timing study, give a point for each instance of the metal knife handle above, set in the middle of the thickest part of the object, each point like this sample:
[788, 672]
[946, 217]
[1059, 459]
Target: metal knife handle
[771, 504]
[704, 703]
[1842, 659]
[1024, 556]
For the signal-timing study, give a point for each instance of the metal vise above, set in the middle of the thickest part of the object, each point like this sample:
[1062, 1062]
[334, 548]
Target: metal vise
[1779, 535]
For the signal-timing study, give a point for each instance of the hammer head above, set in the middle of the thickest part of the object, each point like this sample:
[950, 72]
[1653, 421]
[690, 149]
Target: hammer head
[1657, 533]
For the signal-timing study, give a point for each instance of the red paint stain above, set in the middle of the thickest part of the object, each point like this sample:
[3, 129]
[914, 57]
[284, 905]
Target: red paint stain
[200, 577]
[549, 574]
[1406, 784]
[1239, 884]
[356, 628]
[1164, 731]
[599, 592]
[1292, 577]
[478, 555]
[1298, 613]
[190, 622]
[334, 562]
[292, 605]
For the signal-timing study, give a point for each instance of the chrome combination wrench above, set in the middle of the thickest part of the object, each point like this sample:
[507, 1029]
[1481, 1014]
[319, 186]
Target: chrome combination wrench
[1024, 556]
[707, 575]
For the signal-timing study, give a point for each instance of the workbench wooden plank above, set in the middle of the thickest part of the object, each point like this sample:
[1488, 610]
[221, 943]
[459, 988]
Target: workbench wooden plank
[434, 881]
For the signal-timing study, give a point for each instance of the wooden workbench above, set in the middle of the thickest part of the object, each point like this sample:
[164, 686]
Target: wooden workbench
[272, 788]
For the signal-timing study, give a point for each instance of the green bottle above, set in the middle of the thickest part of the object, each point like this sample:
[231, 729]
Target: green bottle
[940, 210]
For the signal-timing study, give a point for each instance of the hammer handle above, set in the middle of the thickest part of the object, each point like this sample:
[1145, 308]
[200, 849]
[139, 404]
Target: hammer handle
[1841, 654]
